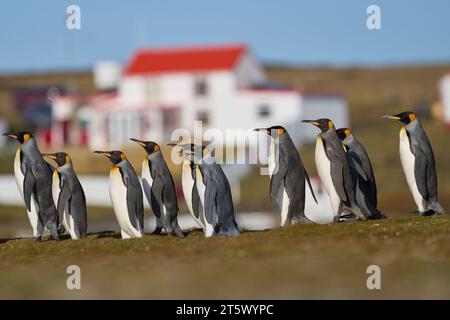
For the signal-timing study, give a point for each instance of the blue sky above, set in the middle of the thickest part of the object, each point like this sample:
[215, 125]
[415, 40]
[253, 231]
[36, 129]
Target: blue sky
[33, 36]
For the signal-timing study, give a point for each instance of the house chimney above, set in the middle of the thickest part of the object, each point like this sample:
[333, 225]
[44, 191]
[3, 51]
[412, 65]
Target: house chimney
[107, 75]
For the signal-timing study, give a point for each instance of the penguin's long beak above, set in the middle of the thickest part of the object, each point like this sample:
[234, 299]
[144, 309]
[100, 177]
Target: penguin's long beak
[391, 117]
[173, 144]
[313, 122]
[265, 130]
[141, 143]
[49, 155]
[11, 135]
[104, 153]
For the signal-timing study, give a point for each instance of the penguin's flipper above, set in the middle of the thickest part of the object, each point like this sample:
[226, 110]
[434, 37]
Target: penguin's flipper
[310, 186]
[132, 203]
[420, 172]
[337, 177]
[64, 197]
[196, 203]
[277, 179]
[29, 184]
[359, 169]
[210, 203]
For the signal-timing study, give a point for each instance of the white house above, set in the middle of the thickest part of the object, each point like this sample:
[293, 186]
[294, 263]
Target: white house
[160, 90]
[444, 89]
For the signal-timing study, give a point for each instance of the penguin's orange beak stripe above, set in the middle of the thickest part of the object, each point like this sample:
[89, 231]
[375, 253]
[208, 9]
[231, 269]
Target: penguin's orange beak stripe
[391, 117]
[311, 122]
[104, 153]
[50, 156]
[11, 135]
[142, 143]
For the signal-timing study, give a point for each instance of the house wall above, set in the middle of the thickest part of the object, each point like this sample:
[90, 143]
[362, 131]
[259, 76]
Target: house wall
[249, 71]
[444, 86]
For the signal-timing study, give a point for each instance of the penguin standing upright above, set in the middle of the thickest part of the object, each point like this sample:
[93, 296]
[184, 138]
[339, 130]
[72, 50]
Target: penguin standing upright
[34, 180]
[68, 196]
[287, 176]
[159, 189]
[334, 170]
[418, 163]
[126, 195]
[189, 185]
[362, 172]
[215, 194]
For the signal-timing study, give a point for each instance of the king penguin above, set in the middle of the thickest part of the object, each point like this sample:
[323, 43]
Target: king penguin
[334, 170]
[188, 183]
[34, 180]
[287, 176]
[362, 173]
[68, 196]
[215, 194]
[126, 195]
[418, 163]
[159, 189]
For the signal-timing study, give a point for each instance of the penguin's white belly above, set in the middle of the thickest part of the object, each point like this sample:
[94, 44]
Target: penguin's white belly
[324, 170]
[201, 188]
[118, 194]
[187, 183]
[272, 161]
[407, 159]
[283, 204]
[32, 214]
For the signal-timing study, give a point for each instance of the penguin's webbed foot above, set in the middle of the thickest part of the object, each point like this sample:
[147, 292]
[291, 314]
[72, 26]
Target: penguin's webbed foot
[301, 220]
[37, 239]
[425, 213]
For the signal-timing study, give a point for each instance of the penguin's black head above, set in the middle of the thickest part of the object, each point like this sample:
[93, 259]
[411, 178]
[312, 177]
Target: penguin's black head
[61, 158]
[343, 133]
[323, 124]
[115, 156]
[404, 117]
[185, 149]
[149, 146]
[21, 136]
[274, 131]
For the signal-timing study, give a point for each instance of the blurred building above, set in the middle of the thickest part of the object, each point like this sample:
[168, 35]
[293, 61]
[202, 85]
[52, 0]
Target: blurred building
[444, 90]
[159, 90]
[3, 128]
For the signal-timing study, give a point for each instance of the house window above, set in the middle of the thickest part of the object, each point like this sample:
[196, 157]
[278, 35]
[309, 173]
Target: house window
[264, 111]
[203, 116]
[201, 87]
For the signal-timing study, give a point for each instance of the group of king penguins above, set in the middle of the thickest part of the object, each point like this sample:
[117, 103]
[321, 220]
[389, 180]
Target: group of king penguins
[55, 200]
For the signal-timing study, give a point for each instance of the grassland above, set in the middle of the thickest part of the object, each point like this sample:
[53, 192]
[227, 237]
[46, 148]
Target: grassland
[301, 261]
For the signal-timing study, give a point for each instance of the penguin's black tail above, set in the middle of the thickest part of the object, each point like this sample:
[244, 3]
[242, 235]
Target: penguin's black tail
[310, 186]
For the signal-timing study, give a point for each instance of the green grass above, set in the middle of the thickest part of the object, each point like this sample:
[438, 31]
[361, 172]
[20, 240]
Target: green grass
[301, 261]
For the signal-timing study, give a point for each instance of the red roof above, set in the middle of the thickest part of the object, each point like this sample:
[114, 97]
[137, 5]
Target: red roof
[204, 58]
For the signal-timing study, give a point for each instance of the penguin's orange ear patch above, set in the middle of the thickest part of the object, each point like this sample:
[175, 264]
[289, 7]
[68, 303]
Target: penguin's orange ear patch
[122, 156]
[280, 132]
[157, 148]
[67, 158]
[330, 124]
[26, 137]
[412, 116]
[347, 132]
